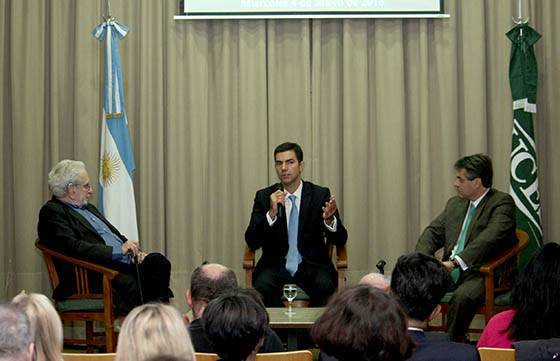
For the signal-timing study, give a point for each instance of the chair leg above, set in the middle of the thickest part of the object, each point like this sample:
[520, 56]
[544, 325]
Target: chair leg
[89, 336]
[110, 338]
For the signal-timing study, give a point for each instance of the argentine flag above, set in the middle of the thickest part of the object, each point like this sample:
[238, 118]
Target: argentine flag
[116, 191]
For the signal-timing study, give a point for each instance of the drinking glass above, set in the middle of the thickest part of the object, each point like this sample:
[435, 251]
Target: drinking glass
[290, 292]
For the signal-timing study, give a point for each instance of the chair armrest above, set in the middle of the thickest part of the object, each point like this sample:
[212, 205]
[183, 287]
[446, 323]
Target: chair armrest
[341, 257]
[108, 272]
[248, 258]
[504, 256]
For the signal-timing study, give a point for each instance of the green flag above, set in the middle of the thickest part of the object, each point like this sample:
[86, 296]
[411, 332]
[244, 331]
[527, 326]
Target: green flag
[524, 182]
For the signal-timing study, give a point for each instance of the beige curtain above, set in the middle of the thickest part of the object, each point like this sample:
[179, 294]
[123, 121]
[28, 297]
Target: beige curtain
[382, 108]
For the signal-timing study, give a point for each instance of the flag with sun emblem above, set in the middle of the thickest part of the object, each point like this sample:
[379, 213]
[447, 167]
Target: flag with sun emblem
[116, 191]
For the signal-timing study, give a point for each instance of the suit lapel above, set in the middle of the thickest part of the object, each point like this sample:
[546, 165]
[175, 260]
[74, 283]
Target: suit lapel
[304, 206]
[84, 221]
[476, 215]
[81, 219]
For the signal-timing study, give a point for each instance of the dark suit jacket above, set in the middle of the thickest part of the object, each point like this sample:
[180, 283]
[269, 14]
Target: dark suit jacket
[272, 342]
[66, 231]
[440, 351]
[492, 228]
[429, 350]
[311, 230]
[537, 350]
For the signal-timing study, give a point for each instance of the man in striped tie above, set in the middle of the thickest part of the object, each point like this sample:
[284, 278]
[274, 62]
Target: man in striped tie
[290, 221]
[473, 226]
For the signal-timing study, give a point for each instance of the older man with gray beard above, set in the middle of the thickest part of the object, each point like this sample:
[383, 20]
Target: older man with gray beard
[72, 226]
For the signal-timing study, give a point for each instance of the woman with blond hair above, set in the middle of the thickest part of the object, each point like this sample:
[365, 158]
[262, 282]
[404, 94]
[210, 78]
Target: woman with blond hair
[154, 330]
[46, 327]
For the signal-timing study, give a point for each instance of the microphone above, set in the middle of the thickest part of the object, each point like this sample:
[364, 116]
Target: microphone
[279, 205]
[381, 266]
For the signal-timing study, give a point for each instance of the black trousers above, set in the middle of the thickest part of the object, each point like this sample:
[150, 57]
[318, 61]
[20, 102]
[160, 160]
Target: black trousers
[319, 282]
[153, 273]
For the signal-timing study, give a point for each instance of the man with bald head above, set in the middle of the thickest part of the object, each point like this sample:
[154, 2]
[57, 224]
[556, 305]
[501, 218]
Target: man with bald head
[376, 280]
[210, 281]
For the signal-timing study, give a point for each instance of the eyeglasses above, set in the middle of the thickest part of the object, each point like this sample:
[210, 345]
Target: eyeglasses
[86, 186]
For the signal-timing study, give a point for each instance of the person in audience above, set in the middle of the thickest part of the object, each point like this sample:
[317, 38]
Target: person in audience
[419, 282]
[536, 304]
[154, 329]
[362, 323]
[16, 340]
[292, 253]
[45, 325]
[473, 227]
[69, 224]
[235, 326]
[376, 280]
[209, 282]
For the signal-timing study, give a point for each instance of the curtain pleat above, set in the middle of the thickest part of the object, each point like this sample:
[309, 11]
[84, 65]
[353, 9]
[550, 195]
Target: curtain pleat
[381, 107]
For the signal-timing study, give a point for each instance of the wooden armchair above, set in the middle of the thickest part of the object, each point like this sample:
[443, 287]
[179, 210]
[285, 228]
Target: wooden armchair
[497, 286]
[88, 356]
[341, 264]
[304, 355]
[203, 356]
[84, 304]
[496, 354]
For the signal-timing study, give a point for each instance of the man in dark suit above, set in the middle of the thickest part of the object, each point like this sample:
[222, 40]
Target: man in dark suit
[290, 221]
[474, 225]
[72, 226]
[418, 282]
[209, 282]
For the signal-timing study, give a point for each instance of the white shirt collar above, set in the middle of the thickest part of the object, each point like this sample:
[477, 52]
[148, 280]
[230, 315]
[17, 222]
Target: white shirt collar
[297, 193]
[479, 199]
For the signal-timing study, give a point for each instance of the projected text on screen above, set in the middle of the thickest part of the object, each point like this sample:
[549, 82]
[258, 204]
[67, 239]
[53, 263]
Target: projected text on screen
[311, 6]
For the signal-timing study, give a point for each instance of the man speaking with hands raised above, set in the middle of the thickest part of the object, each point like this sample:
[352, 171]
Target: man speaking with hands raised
[290, 221]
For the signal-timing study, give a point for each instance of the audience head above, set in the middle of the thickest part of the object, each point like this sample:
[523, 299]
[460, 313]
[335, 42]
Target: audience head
[152, 330]
[209, 281]
[362, 323]
[419, 282]
[45, 325]
[16, 340]
[235, 325]
[536, 297]
[376, 280]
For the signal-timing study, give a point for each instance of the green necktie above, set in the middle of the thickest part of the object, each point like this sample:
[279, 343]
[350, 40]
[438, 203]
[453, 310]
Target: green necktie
[461, 240]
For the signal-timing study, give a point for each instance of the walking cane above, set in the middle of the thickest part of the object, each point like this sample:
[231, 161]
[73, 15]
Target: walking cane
[135, 259]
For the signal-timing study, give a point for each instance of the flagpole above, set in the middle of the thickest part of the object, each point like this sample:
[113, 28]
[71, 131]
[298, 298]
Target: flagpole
[519, 20]
[108, 3]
